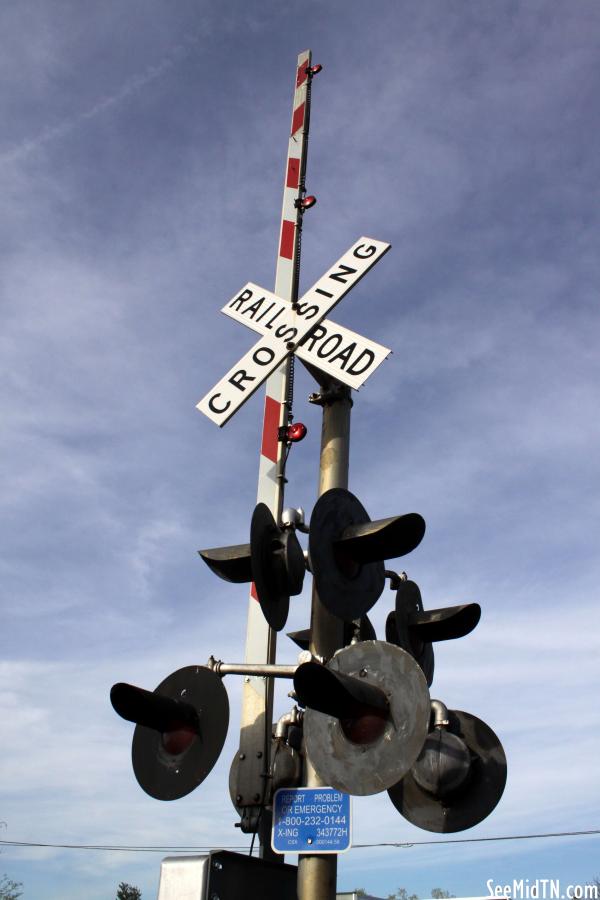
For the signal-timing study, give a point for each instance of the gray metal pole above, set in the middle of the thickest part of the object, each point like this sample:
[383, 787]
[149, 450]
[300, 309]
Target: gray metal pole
[317, 874]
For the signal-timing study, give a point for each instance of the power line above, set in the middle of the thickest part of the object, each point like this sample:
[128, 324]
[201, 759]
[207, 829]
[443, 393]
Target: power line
[405, 845]
[125, 849]
[506, 837]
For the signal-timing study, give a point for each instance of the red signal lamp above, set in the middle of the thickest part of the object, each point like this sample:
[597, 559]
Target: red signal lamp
[305, 203]
[366, 727]
[178, 740]
[295, 432]
[314, 70]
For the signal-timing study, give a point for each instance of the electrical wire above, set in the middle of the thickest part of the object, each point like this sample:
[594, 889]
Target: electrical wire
[398, 844]
[111, 848]
[507, 837]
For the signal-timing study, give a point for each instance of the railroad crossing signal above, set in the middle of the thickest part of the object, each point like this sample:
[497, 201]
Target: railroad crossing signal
[288, 324]
[368, 723]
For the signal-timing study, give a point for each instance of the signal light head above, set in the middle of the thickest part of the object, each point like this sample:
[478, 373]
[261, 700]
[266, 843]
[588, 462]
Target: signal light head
[180, 729]
[367, 715]
[458, 778]
[314, 70]
[347, 551]
[304, 203]
[278, 565]
[294, 433]
[178, 741]
[273, 560]
[366, 726]
[413, 628]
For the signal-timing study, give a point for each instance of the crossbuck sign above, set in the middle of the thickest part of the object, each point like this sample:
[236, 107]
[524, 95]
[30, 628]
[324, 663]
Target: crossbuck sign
[298, 328]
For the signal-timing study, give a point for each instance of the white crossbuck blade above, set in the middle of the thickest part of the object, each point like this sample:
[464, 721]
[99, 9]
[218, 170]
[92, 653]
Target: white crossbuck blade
[291, 327]
[336, 350]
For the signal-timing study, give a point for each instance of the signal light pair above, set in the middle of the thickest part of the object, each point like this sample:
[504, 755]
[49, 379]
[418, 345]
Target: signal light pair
[369, 726]
[346, 552]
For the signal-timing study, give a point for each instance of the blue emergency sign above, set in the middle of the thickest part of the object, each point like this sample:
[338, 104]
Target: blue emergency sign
[311, 820]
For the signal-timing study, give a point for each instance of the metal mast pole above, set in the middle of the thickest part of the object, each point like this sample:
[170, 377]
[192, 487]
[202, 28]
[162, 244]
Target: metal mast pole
[317, 874]
[249, 781]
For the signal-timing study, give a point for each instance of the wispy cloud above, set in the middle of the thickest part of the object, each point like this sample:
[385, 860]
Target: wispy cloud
[126, 91]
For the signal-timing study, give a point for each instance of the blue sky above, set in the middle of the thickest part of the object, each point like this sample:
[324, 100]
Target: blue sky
[141, 167]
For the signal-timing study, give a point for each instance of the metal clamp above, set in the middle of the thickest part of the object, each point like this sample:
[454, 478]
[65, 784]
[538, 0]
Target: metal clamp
[329, 396]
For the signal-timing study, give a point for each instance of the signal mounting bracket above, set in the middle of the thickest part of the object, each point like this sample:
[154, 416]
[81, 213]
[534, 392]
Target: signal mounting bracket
[330, 395]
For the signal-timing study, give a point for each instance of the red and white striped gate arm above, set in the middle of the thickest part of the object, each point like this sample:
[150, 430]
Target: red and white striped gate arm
[286, 273]
[257, 698]
[270, 487]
